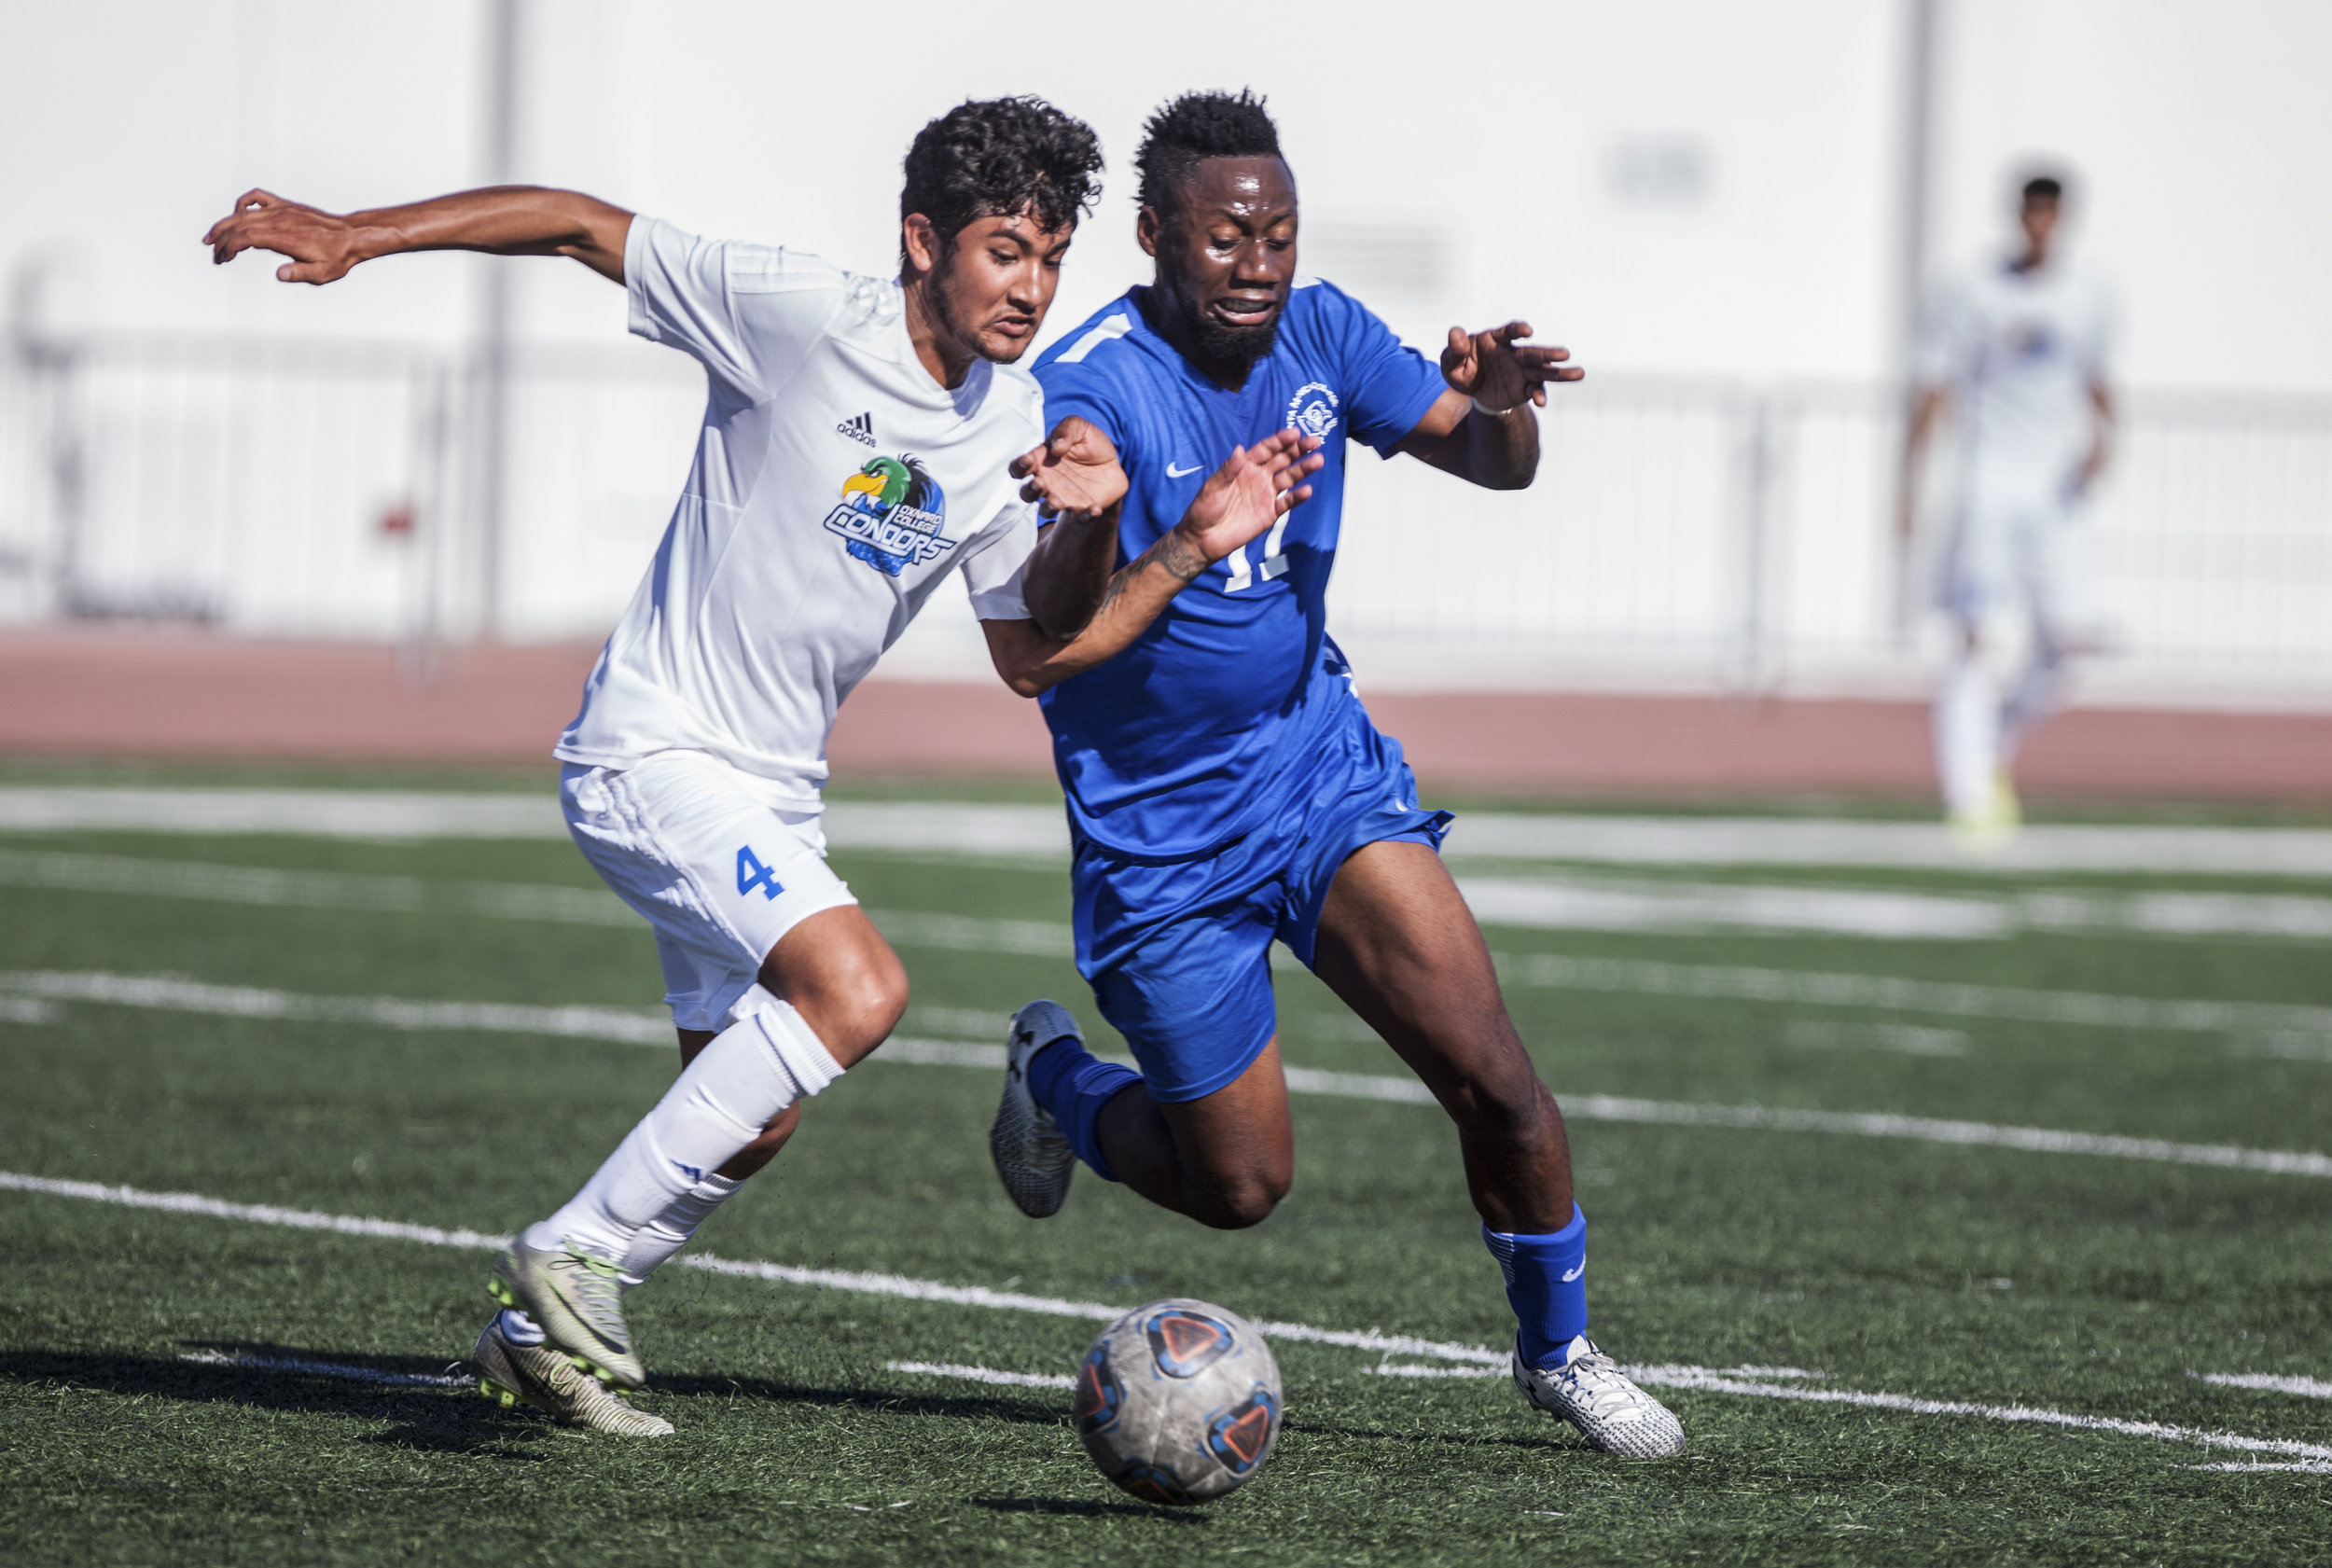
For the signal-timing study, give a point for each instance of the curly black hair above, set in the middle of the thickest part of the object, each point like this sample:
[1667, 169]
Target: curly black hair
[1197, 125]
[997, 155]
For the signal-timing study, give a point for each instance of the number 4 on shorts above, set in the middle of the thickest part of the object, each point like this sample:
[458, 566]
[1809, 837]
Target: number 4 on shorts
[751, 874]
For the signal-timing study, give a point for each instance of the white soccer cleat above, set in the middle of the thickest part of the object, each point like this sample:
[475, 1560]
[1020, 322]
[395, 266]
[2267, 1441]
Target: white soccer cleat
[1032, 1157]
[578, 1299]
[1591, 1393]
[547, 1379]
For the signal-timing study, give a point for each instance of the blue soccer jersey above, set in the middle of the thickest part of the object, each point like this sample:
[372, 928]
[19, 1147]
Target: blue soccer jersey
[1174, 747]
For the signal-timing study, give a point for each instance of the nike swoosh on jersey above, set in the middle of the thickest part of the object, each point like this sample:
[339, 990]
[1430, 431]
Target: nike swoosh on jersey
[1175, 473]
[1575, 1273]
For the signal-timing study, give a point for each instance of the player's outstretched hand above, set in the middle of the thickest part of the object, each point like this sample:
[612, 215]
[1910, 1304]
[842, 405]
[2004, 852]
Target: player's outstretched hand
[1498, 370]
[1241, 499]
[1076, 471]
[322, 245]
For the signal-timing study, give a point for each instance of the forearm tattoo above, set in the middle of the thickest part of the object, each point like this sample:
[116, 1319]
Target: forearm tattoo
[1173, 555]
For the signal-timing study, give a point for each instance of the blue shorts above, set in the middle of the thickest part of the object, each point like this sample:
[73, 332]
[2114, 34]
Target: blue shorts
[1179, 956]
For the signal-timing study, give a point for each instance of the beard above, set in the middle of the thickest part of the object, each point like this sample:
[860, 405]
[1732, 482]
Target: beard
[1221, 347]
[1234, 347]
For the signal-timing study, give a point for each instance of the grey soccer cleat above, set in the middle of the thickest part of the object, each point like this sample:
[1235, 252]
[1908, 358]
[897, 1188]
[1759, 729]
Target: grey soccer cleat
[578, 1299]
[547, 1378]
[1592, 1394]
[1032, 1157]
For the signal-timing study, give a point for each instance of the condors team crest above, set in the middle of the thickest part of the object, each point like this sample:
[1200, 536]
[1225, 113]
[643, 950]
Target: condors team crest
[891, 512]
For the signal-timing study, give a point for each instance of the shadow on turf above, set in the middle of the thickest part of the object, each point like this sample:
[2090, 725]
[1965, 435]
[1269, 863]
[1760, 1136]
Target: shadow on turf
[442, 1419]
[1081, 1508]
[959, 1406]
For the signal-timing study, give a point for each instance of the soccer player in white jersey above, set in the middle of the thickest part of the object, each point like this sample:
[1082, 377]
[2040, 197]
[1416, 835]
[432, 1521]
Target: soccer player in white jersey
[862, 438]
[2017, 351]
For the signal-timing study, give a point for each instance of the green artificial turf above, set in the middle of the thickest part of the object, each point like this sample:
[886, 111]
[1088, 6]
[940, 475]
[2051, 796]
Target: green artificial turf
[2087, 1285]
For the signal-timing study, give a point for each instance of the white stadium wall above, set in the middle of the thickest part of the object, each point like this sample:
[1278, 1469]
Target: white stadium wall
[1700, 198]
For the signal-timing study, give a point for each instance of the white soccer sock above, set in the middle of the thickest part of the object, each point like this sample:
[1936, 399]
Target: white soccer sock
[736, 1086]
[669, 1231]
[1968, 737]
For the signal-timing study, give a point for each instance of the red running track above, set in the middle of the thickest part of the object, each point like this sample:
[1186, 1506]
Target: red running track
[172, 696]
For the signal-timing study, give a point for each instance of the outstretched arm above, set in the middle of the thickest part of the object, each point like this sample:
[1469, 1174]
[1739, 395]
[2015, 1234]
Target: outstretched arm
[1076, 480]
[502, 220]
[1238, 504]
[1485, 428]
[1928, 405]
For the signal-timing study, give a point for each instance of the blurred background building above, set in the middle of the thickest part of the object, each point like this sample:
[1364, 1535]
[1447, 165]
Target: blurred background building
[1725, 210]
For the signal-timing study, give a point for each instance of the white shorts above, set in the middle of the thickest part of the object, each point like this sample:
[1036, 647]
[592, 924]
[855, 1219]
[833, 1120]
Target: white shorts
[2015, 546]
[717, 869]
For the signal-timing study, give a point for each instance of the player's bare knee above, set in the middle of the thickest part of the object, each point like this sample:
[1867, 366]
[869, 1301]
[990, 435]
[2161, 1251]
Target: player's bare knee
[1240, 1207]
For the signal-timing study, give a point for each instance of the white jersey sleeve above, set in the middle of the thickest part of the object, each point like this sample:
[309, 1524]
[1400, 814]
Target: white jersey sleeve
[750, 314]
[995, 560]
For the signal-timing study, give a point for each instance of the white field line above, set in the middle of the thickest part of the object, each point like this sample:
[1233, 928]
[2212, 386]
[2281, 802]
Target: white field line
[609, 1023]
[1830, 841]
[1701, 1378]
[329, 1369]
[982, 1374]
[1803, 987]
[2305, 1466]
[1540, 903]
[1606, 904]
[2307, 1388]
[1039, 833]
[1709, 1382]
[2297, 1026]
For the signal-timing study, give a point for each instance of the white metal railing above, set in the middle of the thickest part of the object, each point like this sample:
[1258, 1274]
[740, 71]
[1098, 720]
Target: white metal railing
[1684, 531]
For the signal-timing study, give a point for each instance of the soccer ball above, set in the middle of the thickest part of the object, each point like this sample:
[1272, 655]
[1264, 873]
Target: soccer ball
[1179, 1401]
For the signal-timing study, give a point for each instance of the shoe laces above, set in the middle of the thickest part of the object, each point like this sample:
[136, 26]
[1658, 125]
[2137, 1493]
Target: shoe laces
[1596, 1385]
[598, 1288]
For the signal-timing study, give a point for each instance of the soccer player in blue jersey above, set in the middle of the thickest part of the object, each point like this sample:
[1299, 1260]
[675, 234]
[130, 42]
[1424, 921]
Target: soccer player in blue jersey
[1225, 785]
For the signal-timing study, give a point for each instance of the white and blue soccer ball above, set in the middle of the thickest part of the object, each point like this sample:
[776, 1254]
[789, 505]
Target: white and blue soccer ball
[1179, 1402]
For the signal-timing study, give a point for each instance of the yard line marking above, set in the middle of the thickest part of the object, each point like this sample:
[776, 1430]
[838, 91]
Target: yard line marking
[1709, 1382]
[982, 1374]
[534, 901]
[327, 1369]
[1411, 1369]
[2307, 1388]
[1535, 903]
[1609, 904]
[2299, 1027]
[1039, 832]
[2305, 1466]
[1700, 1378]
[864, 1284]
[1642, 841]
[1892, 994]
[172, 993]
[610, 1024]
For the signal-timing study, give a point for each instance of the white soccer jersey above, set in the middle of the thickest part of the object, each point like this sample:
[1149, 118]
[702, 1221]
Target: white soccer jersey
[2019, 352]
[836, 483]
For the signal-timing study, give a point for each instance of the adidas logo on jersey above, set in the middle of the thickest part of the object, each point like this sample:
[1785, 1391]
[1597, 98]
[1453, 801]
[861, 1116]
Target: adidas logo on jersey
[860, 429]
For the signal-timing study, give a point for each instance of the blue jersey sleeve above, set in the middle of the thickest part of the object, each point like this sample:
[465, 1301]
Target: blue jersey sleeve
[1388, 386]
[1087, 392]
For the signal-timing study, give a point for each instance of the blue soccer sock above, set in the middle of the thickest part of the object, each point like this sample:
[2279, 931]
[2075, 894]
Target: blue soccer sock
[1073, 1085]
[1547, 1286]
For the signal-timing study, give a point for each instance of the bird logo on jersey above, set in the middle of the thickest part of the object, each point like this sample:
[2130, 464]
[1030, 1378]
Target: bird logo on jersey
[891, 512]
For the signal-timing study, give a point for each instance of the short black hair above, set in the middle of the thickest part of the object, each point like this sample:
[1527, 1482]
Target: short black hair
[993, 156]
[2044, 188]
[1197, 125]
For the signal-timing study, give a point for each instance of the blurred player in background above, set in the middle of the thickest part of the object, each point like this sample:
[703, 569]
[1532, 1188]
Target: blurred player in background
[1226, 788]
[2018, 354]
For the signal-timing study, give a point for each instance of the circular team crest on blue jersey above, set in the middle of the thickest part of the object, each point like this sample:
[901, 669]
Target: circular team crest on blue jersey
[1312, 409]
